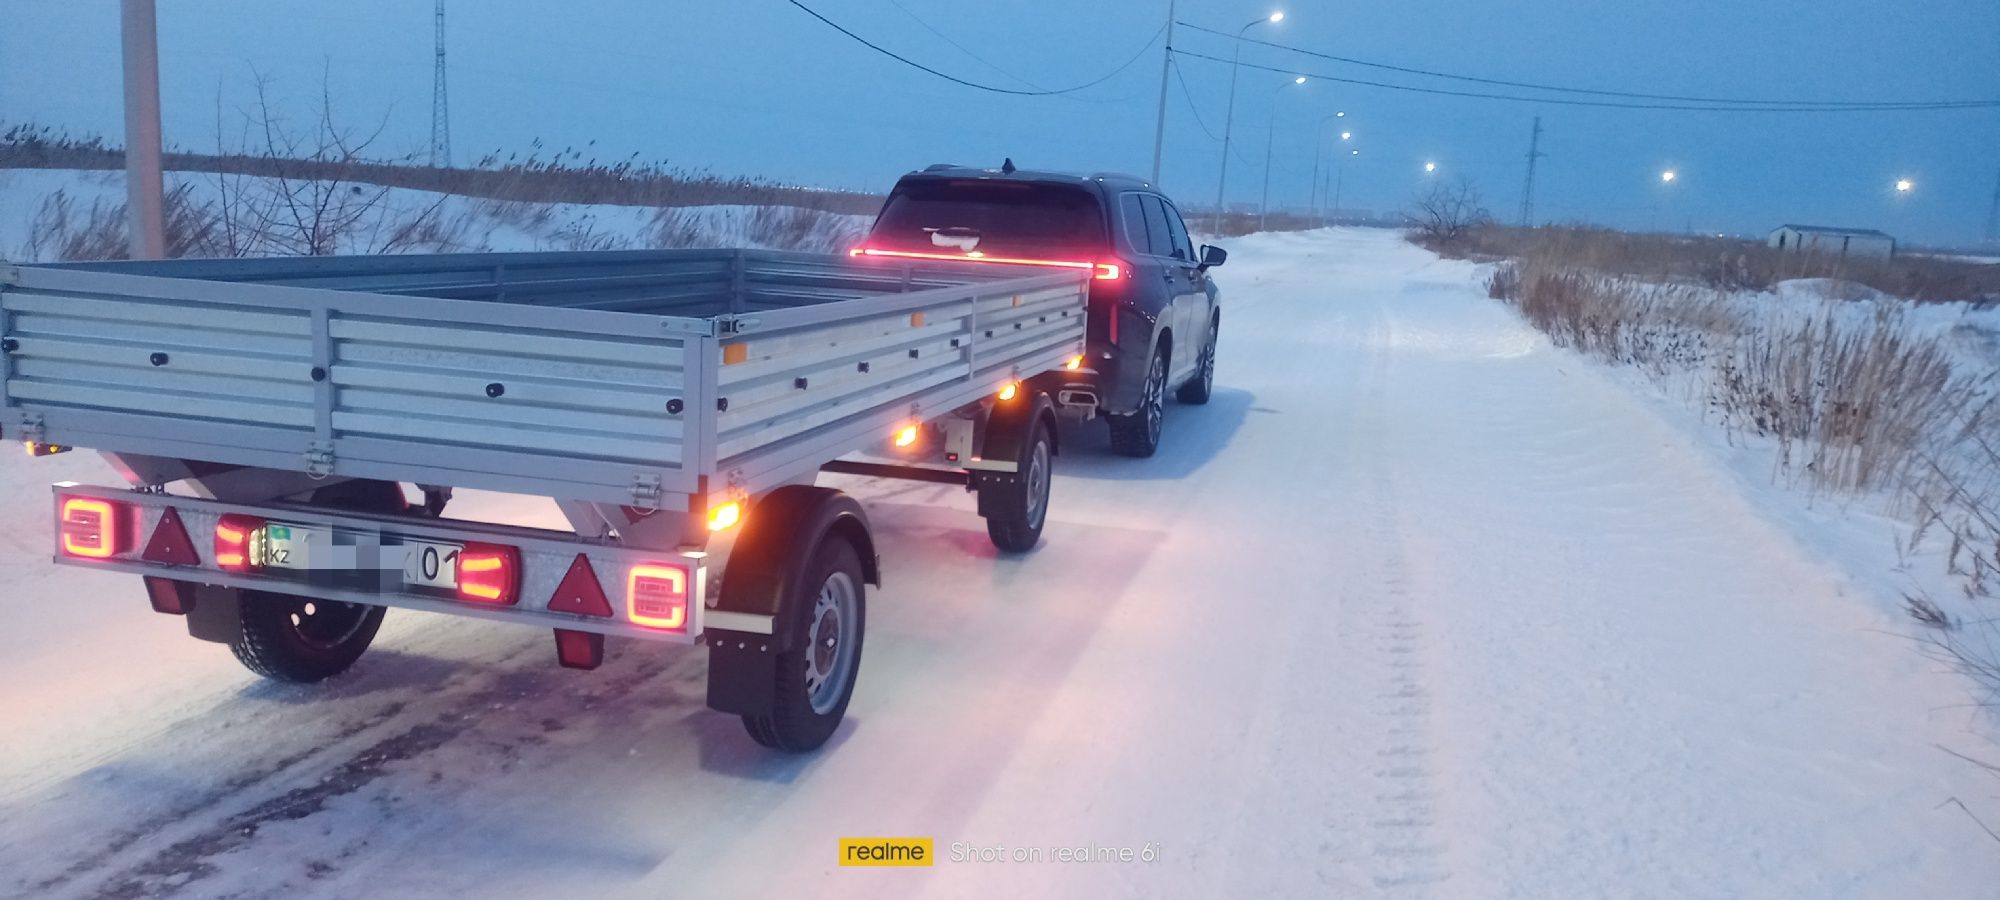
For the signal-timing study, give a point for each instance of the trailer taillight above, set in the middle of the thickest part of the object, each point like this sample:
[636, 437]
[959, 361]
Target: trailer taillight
[1010, 390]
[94, 528]
[489, 573]
[656, 596]
[236, 538]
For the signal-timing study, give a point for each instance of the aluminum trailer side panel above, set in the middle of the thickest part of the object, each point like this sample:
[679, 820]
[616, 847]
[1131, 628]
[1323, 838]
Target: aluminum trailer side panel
[560, 402]
[548, 374]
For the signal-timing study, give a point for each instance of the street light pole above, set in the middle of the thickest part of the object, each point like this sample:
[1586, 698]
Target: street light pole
[1340, 176]
[1270, 138]
[1317, 196]
[145, 188]
[1166, 70]
[1229, 119]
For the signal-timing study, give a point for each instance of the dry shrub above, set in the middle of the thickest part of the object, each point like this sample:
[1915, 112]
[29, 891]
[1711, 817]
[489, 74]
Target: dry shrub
[1725, 264]
[1853, 405]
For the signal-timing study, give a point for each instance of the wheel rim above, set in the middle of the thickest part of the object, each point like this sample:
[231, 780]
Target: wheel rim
[1038, 484]
[324, 624]
[1156, 391]
[1208, 366]
[830, 643]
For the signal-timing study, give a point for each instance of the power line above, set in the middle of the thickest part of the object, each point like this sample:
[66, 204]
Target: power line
[961, 47]
[1607, 104]
[974, 84]
[1868, 105]
[1196, 110]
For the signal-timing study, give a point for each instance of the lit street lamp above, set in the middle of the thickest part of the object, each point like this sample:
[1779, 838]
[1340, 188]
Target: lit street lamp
[1229, 120]
[1905, 185]
[1667, 177]
[1270, 138]
[1430, 167]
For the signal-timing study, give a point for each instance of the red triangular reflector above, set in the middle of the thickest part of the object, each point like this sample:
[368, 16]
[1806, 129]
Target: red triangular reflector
[580, 592]
[170, 543]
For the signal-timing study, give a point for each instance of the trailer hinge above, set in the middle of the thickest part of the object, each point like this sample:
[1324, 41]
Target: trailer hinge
[319, 459]
[733, 324]
[31, 428]
[646, 491]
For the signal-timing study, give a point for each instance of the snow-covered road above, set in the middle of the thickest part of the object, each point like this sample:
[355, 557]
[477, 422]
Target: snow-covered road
[1417, 607]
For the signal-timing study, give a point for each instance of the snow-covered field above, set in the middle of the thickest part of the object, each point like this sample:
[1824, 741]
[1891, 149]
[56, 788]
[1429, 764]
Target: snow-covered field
[1418, 606]
[467, 223]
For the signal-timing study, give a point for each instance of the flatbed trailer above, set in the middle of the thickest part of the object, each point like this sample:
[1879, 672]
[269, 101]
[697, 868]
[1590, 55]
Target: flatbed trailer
[676, 405]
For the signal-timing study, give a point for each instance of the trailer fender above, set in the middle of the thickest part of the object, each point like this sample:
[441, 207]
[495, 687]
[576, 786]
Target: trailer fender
[1006, 434]
[782, 534]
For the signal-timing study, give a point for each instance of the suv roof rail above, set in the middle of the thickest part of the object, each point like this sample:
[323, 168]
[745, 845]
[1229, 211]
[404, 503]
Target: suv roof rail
[939, 167]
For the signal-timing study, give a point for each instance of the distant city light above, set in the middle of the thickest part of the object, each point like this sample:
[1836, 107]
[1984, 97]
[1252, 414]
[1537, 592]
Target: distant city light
[1904, 185]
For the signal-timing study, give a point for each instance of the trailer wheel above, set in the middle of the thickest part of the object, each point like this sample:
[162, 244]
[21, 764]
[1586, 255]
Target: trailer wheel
[1017, 505]
[816, 676]
[302, 640]
[1138, 434]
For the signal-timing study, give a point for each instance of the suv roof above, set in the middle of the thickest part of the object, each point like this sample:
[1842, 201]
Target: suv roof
[1112, 180]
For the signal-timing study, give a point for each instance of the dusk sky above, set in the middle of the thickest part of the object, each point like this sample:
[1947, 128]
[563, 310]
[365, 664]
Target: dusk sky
[758, 87]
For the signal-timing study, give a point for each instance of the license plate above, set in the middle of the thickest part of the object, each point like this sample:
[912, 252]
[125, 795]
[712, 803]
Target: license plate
[292, 546]
[431, 565]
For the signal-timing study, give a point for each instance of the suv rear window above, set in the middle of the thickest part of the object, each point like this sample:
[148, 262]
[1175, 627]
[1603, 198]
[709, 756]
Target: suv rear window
[1007, 217]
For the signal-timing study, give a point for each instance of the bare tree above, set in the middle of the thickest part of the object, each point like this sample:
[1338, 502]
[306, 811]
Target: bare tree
[1448, 211]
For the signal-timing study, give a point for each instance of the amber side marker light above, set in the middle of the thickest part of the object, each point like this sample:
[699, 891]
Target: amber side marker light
[1075, 363]
[725, 516]
[906, 435]
[1011, 390]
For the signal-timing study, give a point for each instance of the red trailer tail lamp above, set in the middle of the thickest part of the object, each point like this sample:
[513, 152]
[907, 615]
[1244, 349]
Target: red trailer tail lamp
[236, 539]
[94, 528]
[656, 596]
[490, 574]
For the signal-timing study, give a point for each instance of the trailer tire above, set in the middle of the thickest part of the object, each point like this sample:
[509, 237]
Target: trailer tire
[299, 639]
[1138, 434]
[302, 640]
[1016, 505]
[815, 677]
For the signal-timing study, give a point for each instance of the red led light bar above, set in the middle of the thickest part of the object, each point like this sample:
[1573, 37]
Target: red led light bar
[1104, 271]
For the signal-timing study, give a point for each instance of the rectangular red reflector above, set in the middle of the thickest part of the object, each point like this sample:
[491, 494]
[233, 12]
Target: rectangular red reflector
[489, 573]
[656, 596]
[94, 528]
[236, 537]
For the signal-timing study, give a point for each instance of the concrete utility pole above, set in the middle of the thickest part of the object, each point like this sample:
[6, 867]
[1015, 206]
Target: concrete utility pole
[1528, 193]
[145, 187]
[440, 103]
[1166, 70]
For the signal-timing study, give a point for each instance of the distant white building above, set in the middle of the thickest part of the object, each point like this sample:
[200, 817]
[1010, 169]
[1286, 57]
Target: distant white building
[1866, 242]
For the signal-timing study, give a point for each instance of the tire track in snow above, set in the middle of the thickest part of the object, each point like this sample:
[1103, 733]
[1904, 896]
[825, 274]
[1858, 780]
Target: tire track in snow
[408, 734]
[1407, 848]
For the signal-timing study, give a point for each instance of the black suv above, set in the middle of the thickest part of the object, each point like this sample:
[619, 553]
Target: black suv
[1154, 310]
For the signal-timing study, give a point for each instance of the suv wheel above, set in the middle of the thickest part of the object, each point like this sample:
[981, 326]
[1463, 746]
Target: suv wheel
[1138, 434]
[1197, 389]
